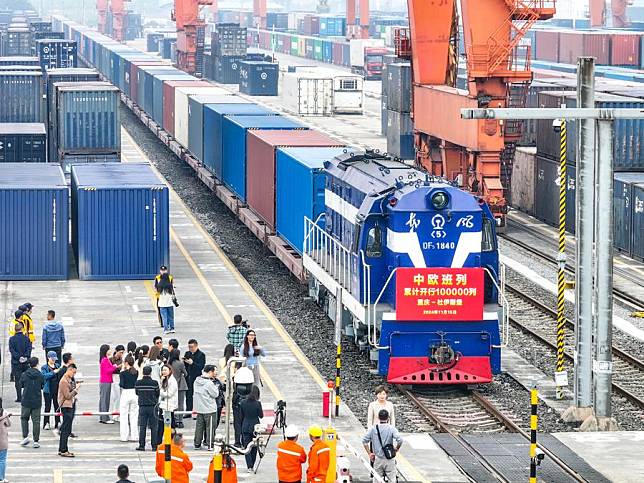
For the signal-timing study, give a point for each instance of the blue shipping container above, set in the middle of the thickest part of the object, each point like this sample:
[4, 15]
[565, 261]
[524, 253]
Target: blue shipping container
[88, 119]
[234, 146]
[157, 94]
[299, 186]
[213, 131]
[327, 51]
[196, 104]
[148, 86]
[37, 193]
[120, 221]
[258, 78]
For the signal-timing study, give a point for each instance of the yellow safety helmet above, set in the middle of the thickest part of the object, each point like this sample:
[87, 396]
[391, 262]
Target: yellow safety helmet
[315, 431]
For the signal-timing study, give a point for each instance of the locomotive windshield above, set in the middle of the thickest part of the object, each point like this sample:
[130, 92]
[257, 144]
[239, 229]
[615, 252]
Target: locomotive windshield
[488, 243]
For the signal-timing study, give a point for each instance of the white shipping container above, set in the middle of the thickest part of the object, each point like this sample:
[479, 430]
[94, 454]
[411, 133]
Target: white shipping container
[181, 119]
[308, 93]
[348, 94]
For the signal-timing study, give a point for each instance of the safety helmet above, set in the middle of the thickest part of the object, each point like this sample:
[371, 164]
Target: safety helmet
[315, 431]
[291, 432]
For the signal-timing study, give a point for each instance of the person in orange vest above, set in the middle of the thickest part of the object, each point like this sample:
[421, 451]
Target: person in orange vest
[290, 457]
[180, 463]
[228, 473]
[318, 457]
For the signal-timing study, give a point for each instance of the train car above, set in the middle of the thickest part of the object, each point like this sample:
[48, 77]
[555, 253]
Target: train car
[408, 266]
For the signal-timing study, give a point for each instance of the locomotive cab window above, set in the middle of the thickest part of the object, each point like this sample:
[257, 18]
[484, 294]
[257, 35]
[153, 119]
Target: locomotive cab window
[374, 242]
[488, 244]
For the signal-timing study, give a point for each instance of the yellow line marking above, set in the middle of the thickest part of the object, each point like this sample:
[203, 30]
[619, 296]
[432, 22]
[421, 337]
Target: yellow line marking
[58, 475]
[222, 309]
[301, 357]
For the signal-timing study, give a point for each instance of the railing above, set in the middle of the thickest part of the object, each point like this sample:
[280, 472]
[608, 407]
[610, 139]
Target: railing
[504, 329]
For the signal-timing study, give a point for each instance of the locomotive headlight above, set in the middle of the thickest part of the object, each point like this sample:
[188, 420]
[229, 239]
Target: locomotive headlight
[440, 200]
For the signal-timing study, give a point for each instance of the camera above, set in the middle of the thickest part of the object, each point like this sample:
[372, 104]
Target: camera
[539, 455]
[280, 405]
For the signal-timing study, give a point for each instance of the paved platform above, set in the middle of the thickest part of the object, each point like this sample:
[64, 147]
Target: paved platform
[210, 291]
[617, 455]
[508, 454]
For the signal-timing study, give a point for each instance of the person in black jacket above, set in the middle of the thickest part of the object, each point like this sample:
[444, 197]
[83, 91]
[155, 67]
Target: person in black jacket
[147, 390]
[251, 410]
[195, 361]
[32, 382]
[20, 349]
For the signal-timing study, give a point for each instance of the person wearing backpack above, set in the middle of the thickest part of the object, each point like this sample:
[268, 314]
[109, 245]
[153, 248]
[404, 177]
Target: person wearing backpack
[382, 443]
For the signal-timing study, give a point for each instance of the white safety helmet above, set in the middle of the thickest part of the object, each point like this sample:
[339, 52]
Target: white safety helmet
[291, 432]
[244, 376]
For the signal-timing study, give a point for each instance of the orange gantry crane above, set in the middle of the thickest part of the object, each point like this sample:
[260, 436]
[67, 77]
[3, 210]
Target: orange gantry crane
[478, 155]
[101, 11]
[358, 30]
[190, 34]
[119, 16]
[618, 15]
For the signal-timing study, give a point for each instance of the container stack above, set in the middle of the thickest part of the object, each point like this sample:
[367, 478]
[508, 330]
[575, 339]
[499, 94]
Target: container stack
[133, 26]
[229, 47]
[86, 125]
[22, 96]
[400, 127]
[384, 89]
[277, 21]
[536, 172]
[16, 40]
[152, 41]
[258, 78]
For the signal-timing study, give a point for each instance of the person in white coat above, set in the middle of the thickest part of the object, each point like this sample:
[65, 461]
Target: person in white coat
[128, 403]
[168, 398]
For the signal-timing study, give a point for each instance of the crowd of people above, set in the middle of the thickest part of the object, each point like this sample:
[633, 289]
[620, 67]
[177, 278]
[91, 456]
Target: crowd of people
[142, 385]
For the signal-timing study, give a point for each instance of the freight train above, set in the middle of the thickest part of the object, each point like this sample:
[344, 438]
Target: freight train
[406, 264]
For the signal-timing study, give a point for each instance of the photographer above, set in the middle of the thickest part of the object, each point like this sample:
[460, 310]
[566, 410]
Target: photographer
[237, 331]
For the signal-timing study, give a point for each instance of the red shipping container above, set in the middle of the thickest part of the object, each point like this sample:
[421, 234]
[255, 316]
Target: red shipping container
[571, 46]
[168, 99]
[260, 164]
[625, 49]
[597, 44]
[337, 53]
[547, 45]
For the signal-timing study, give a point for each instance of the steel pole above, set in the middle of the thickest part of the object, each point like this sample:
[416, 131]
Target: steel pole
[602, 367]
[585, 185]
[560, 375]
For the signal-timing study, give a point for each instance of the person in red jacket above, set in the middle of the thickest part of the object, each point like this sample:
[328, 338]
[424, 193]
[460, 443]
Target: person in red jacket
[290, 457]
[180, 463]
[318, 457]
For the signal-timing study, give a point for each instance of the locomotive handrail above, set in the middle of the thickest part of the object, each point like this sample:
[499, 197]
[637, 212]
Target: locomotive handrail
[373, 342]
[505, 321]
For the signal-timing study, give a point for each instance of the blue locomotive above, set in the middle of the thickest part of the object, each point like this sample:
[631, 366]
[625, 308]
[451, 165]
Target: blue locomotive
[381, 218]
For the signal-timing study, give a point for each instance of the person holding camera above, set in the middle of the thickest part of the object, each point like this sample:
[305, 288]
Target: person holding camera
[379, 444]
[166, 299]
[237, 331]
[205, 405]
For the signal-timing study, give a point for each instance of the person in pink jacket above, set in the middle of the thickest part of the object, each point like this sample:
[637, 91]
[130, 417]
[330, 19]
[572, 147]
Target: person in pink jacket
[107, 370]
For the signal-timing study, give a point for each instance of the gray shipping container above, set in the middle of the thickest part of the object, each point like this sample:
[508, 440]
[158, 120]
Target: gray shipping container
[546, 192]
[399, 87]
[386, 60]
[87, 120]
[383, 115]
[400, 135]
[623, 209]
[69, 160]
[19, 60]
[522, 185]
[637, 244]
[16, 41]
[629, 133]
[22, 96]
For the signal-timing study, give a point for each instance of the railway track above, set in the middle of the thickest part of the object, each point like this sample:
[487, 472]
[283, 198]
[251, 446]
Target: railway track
[628, 370]
[619, 295]
[456, 410]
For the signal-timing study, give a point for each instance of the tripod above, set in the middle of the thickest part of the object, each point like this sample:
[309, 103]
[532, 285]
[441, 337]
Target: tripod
[279, 423]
